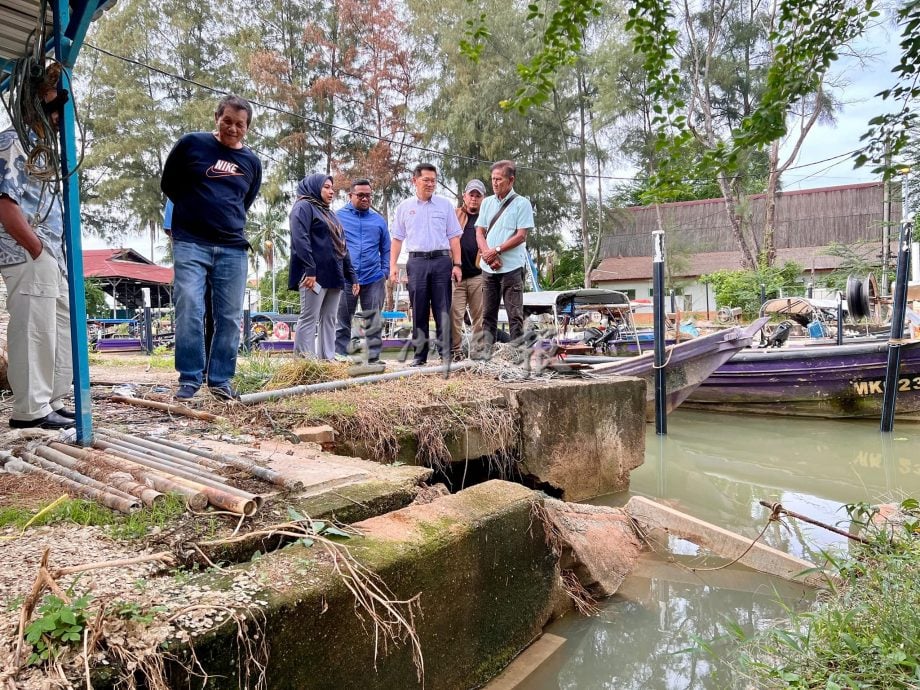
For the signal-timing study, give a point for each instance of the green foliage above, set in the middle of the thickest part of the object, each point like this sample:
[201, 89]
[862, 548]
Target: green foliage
[891, 133]
[288, 300]
[85, 513]
[95, 299]
[567, 272]
[864, 633]
[253, 371]
[742, 288]
[59, 626]
[134, 612]
[859, 259]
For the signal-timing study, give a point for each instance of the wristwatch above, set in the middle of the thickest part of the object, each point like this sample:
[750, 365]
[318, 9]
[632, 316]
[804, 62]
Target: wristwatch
[458, 265]
[499, 249]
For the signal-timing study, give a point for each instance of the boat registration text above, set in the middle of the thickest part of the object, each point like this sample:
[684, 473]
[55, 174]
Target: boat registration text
[877, 386]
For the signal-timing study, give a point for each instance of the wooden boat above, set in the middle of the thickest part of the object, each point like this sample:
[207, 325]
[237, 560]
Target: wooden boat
[814, 381]
[688, 365]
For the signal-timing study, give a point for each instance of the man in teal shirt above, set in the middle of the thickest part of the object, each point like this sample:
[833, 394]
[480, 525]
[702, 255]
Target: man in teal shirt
[501, 232]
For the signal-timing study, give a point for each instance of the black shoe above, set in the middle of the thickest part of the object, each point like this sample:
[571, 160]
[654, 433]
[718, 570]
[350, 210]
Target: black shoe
[50, 421]
[224, 392]
[186, 391]
[64, 412]
[418, 363]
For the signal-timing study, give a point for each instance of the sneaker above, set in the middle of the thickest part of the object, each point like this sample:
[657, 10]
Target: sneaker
[224, 392]
[186, 392]
[342, 358]
[418, 363]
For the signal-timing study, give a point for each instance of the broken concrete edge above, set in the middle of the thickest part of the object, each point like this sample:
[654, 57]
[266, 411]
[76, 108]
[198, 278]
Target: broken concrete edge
[576, 438]
[583, 437]
[346, 504]
[652, 515]
[478, 560]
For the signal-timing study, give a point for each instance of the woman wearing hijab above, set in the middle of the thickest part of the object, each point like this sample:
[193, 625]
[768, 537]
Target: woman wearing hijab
[320, 266]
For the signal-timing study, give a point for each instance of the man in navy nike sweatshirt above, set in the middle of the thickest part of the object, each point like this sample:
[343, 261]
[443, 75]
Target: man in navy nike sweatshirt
[212, 178]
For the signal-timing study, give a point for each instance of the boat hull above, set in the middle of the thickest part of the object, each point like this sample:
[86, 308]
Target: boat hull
[687, 366]
[817, 381]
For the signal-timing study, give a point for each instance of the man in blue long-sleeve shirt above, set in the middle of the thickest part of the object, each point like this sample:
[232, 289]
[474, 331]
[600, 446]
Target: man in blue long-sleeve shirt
[368, 242]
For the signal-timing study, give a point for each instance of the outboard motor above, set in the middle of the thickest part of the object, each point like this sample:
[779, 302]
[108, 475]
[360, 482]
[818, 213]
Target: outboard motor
[780, 335]
[592, 335]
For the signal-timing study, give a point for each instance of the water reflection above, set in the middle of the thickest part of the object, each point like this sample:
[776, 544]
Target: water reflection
[717, 467]
[637, 640]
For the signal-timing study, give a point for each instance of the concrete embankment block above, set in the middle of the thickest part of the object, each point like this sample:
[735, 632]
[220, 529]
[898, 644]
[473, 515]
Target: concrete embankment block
[581, 437]
[722, 542]
[478, 560]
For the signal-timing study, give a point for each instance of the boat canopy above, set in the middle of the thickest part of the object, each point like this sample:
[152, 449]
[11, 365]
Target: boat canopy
[799, 306]
[569, 301]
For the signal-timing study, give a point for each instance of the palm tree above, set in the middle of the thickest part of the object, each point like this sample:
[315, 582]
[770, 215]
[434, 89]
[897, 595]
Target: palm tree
[267, 232]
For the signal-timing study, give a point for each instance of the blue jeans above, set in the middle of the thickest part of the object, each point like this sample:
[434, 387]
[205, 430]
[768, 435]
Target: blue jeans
[372, 296]
[197, 267]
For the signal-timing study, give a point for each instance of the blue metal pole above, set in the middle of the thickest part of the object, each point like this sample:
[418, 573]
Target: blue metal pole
[661, 388]
[899, 306]
[64, 52]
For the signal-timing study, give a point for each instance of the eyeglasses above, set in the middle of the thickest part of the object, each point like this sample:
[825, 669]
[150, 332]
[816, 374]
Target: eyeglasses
[362, 195]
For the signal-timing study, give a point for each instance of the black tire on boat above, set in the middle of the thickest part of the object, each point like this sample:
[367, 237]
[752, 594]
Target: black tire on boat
[859, 293]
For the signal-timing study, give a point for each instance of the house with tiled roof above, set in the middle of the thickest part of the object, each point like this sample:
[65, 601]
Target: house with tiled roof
[124, 274]
[807, 223]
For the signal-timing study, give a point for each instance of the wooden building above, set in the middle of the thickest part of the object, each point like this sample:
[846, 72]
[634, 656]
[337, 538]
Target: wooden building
[807, 222]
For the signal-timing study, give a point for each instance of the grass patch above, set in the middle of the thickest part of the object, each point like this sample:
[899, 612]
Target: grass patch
[325, 407]
[85, 513]
[253, 371]
[865, 633]
[303, 372]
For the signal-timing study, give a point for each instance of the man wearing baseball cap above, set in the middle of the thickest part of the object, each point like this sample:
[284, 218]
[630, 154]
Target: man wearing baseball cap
[467, 293]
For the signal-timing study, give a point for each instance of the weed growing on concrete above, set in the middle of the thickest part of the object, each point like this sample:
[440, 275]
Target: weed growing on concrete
[863, 633]
[59, 627]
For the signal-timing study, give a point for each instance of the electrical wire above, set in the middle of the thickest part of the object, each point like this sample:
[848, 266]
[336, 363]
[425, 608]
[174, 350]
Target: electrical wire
[24, 107]
[416, 147]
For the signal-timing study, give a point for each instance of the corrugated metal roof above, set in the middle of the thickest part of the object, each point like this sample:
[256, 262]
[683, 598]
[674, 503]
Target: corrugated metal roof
[18, 23]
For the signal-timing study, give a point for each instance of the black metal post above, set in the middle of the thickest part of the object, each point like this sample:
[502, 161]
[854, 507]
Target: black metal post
[247, 330]
[839, 318]
[707, 302]
[899, 306]
[673, 302]
[763, 294]
[661, 388]
[148, 330]
[810, 290]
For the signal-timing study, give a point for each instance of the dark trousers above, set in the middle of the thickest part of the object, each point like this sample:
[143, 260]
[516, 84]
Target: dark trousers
[430, 291]
[371, 298]
[507, 287]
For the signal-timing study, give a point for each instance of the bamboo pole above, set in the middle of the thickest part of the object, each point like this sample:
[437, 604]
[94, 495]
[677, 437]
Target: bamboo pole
[227, 497]
[121, 481]
[171, 409]
[264, 473]
[195, 500]
[105, 498]
[161, 445]
[164, 458]
[47, 458]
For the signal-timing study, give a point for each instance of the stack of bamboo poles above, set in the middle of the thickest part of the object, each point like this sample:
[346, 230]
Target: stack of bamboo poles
[124, 471]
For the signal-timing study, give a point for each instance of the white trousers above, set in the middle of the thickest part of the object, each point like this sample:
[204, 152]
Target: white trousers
[38, 337]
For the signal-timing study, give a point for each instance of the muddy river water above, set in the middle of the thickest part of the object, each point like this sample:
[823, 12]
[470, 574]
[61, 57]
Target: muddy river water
[717, 468]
